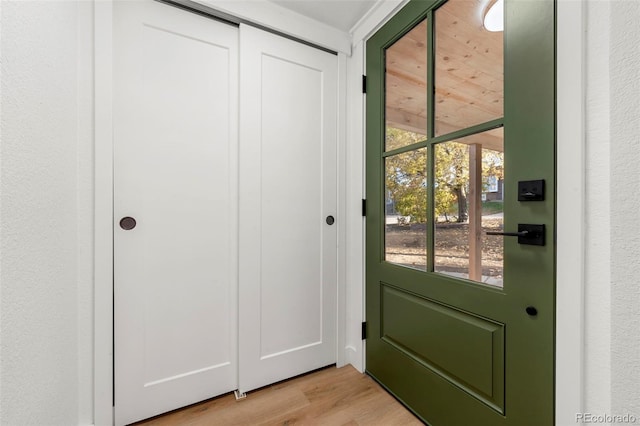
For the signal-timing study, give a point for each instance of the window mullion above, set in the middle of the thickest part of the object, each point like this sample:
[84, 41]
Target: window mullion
[430, 134]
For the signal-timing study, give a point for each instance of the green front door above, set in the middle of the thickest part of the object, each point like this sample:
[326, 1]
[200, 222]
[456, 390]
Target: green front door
[460, 145]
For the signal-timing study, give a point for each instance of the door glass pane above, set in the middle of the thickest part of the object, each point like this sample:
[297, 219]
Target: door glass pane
[406, 209]
[406, 89]
[469, 64]
[469, 177]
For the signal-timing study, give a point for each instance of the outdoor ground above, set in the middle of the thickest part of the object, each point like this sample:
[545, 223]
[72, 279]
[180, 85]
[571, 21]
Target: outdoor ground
[406, 245]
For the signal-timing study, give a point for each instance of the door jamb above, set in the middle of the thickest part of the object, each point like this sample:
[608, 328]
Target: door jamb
[570, 214]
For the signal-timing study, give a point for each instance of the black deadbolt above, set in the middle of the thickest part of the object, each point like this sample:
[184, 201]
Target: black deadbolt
[330, 220]
[531, 310]
[531, 190]
[127, 223]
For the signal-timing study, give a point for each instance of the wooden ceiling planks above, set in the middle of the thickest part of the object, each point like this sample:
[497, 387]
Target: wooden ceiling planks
[406, 81]
[469, 73]
[469, 67]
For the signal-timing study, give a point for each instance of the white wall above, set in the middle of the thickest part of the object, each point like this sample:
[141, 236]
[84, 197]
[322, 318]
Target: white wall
[612, 293]
[624, 127]
[598, 252]
[45, 213]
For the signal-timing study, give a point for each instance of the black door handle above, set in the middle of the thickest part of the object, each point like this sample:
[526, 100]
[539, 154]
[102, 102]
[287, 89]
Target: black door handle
[509, 234]
[528, 234]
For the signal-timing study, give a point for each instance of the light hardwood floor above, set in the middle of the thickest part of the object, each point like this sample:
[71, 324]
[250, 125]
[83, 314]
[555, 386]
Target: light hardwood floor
[331, 396]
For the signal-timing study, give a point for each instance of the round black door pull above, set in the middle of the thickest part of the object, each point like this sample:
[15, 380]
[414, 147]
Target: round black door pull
[531, 311]
[127, 223]
[330, 220]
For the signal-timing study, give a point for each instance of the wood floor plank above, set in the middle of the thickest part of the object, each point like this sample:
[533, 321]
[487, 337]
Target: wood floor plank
[331, 396]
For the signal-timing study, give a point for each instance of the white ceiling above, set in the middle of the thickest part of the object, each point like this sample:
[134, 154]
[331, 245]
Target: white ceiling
[340, 14]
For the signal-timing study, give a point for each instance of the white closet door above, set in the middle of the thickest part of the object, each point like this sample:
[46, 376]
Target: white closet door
[288, 252]
[175, 168]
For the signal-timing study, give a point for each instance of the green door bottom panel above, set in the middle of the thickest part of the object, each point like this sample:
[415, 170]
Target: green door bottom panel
[463, 349]
[440, 401]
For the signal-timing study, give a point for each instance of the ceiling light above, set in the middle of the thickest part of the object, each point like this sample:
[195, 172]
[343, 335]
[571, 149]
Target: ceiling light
[494, 18]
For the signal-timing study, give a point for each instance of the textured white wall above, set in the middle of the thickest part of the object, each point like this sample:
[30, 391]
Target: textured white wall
[597, 321]
[612, 353]
[45, 213]
[624, 72]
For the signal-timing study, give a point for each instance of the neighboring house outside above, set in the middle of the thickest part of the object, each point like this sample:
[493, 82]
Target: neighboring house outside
[494, 189]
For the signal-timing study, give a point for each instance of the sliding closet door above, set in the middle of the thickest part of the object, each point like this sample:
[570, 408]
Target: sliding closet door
[175, 214]
[288, 238]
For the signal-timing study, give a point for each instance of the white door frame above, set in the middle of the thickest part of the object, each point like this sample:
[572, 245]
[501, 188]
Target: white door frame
[570, 213]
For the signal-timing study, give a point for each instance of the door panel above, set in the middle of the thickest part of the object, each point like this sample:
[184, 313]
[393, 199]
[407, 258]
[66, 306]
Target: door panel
[175, 143]
[451, 334]
[441, 342]
[288, 272]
